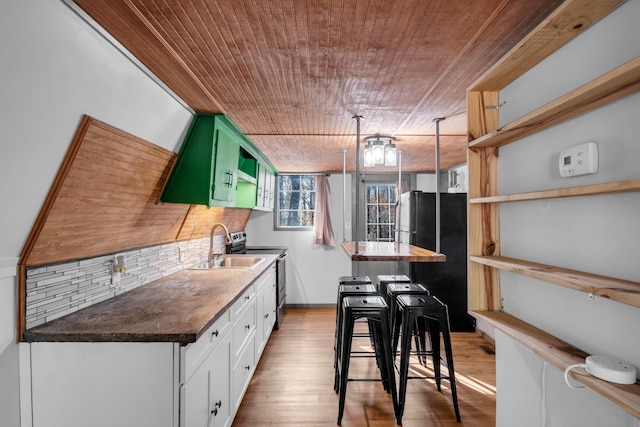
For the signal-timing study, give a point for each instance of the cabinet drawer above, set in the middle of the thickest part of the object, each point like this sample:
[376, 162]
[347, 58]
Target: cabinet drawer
[247, 297]
[269, 276]
[196, 353]
[243, 371]
[244, 327]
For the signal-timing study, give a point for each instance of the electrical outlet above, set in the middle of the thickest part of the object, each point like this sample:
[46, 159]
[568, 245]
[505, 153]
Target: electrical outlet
[611, 369]
[181, 254]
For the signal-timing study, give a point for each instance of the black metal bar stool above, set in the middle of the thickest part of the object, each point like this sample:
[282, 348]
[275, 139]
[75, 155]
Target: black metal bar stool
[344, 291]
[412, 307]
[375, 310]
[384, 279]
[393, 290]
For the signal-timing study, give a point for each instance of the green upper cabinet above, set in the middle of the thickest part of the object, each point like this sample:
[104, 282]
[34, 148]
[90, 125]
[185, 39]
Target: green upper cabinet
[216, 166]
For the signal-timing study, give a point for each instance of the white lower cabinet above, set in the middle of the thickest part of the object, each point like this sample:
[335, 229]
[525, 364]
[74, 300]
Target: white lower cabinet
[265, 308]
[156, 384]
[205, 398]
[79, 384]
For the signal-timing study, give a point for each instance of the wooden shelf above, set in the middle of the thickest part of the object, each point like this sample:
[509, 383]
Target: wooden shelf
[585, 190]
[603, 90]
[624, 291]
[561, 354]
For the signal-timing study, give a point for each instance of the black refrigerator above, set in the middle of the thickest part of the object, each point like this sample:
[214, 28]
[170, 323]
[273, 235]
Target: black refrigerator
[448, 280]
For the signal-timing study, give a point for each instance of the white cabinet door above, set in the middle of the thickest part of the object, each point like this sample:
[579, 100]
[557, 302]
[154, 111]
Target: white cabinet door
[260, 197]
[265, 309]
[205, 398]
[77, 384]
[272, 191]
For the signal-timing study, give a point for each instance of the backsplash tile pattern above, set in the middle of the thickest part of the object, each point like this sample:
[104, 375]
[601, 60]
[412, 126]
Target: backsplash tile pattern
[56, 290]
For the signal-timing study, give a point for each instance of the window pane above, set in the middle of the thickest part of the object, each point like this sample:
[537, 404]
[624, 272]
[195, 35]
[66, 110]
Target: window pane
[383, 194]
[308, 182]
[372, 233]
[383, 232]
[372, 194]
[384, 214]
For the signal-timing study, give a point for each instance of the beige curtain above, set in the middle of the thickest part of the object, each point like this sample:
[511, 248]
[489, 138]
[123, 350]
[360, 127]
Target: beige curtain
[323, 226]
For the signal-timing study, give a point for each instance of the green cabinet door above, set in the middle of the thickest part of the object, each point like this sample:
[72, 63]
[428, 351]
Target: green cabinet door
[225, 173]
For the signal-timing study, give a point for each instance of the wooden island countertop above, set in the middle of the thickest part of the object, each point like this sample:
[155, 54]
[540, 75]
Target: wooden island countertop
[390, 251]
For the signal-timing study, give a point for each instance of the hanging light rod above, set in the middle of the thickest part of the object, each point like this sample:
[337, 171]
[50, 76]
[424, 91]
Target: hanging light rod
[380, 150]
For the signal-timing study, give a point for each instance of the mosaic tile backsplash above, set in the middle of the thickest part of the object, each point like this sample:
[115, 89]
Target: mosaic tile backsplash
[56, 290]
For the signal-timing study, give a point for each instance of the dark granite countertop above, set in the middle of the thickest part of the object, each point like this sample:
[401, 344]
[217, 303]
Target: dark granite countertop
[175, 308]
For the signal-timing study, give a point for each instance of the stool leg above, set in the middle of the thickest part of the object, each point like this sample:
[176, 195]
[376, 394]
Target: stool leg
[434, 337]
[337, 343]
[397, 324]
[347, 334]
[444, 322]
[405, 354]
[388, 362]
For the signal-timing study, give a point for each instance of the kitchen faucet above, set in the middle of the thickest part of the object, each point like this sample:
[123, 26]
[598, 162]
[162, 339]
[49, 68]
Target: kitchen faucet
[227, 240]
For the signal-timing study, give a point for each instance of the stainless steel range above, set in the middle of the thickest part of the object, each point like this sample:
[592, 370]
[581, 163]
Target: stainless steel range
[238, 245]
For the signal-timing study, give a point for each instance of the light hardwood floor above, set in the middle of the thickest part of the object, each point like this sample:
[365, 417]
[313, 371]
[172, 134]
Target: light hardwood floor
[293, 384]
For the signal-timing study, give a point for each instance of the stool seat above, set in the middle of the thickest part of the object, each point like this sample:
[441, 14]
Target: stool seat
[375, 310]
[384, 279]
[429, 308]
[354, 280]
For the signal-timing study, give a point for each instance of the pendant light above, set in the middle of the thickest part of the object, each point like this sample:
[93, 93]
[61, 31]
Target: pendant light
[368, 155]
[390, 154]
[380, 150]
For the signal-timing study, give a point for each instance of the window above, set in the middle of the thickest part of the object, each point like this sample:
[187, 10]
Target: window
[296, 201]
[381, 212]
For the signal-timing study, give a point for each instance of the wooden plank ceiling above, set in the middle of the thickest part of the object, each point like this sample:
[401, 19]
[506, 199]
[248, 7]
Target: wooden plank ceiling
[292, 73]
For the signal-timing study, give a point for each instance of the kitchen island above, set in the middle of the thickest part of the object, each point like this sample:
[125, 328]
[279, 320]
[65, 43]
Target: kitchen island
[390, 251]
[179, 351]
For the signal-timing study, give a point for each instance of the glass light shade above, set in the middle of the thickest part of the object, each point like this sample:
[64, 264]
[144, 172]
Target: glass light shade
[390, 154]
[378, 152]
[368, 156]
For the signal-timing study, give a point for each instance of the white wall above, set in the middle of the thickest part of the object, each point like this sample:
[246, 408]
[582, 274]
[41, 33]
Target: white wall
[55, 68]
[312, 270]
[595, 234]
[9, 391]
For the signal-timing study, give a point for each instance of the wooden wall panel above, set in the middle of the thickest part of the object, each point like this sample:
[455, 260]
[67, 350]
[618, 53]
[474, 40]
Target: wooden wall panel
[105, 200]
[200, 220]
[106, 197]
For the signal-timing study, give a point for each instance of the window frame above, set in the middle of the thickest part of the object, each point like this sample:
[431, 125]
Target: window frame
[276, 209]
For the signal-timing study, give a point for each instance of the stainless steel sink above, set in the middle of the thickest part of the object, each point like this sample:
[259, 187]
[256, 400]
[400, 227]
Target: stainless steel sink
[233, 261]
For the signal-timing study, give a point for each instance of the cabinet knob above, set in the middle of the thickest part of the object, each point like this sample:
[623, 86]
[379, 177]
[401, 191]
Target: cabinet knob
[218, 404]
[248, 367]
[214, 412]
[246, 298]
[247, 327]
[266, 315]
[215, 333]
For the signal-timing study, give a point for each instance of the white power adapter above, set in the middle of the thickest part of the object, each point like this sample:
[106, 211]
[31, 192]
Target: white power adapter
[611, 369]
[606, 368]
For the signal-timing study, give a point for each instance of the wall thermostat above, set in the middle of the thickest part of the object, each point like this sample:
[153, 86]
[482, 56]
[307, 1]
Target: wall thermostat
[579, 160]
